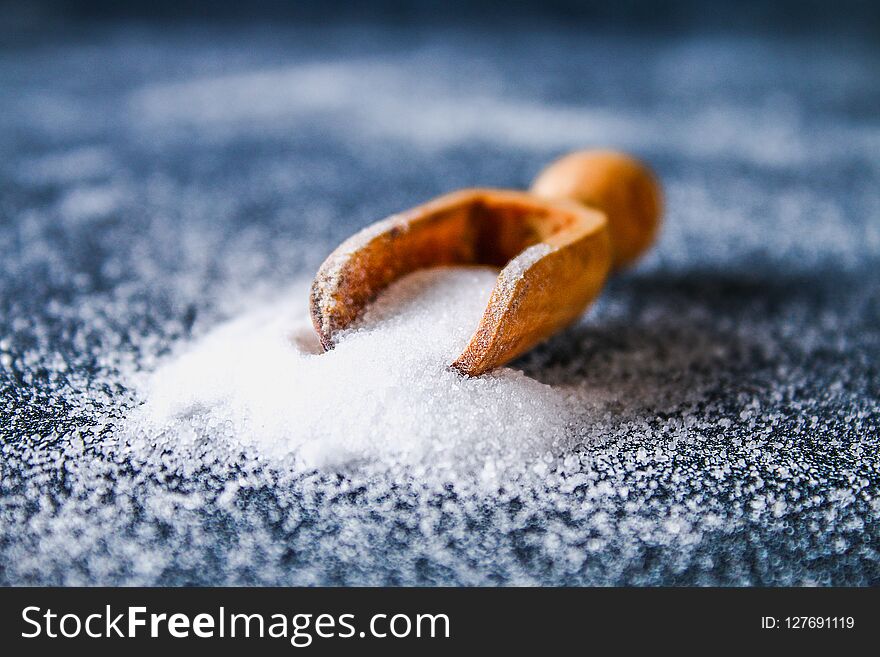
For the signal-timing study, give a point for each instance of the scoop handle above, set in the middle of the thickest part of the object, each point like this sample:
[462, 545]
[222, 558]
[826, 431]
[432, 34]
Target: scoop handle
[619, 185]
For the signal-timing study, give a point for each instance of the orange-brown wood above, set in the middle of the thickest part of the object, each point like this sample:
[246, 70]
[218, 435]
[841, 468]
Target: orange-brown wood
[619, 185]
[554, 255]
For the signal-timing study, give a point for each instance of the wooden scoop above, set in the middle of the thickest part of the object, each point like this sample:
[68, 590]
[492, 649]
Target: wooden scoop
[586, 213]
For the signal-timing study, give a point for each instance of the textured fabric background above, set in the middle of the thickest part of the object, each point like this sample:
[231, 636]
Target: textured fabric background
[155, 178]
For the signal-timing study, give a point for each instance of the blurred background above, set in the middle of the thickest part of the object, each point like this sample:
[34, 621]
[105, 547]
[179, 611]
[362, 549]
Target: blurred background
[251, 131]
[166, 162]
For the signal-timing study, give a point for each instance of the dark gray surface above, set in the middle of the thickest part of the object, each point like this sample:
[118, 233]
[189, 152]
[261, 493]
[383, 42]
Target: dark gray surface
[153, 178]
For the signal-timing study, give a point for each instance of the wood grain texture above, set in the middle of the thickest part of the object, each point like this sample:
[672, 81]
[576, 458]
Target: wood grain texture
[553, 250]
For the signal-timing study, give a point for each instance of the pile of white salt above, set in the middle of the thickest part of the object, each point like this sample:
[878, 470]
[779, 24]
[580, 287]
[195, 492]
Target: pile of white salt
[384, 397]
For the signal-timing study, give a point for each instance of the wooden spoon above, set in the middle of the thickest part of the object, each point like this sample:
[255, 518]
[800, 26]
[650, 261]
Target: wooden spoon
[555, 251]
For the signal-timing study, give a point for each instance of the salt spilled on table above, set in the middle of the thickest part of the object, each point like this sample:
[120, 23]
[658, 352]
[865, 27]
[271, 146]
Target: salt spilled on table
[383, 397]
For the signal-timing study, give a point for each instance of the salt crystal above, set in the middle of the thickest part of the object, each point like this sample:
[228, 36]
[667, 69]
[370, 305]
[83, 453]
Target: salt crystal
[385, 395]
[759, 299]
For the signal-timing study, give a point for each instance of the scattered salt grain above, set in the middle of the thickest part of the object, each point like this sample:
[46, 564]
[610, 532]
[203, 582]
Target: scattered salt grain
[198, 172]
